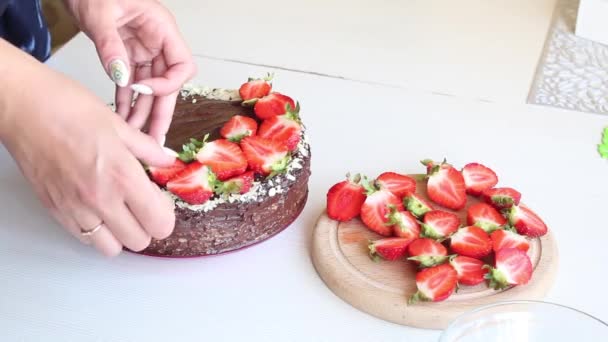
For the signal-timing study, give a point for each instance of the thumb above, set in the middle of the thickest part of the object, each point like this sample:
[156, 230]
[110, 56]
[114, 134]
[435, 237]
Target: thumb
[143, 146]
[111, 50]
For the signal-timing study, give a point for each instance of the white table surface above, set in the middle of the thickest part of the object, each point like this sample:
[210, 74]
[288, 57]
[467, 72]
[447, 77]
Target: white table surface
[54, 289]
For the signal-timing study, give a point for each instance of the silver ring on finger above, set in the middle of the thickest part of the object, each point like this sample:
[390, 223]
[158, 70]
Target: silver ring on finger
[92, 231]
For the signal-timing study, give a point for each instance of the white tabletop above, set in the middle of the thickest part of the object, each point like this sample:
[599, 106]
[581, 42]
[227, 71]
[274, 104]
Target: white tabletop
[54, 289]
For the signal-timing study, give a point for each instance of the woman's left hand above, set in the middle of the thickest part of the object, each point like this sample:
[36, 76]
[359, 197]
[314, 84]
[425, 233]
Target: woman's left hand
[142, 51]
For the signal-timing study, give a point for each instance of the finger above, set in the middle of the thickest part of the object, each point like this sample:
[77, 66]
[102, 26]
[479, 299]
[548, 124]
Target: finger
[120, 221]
[70, 225]
[143, 105]
[124, 99]
[103, 240]
[142, 146]
[110, 46]
[164, 106]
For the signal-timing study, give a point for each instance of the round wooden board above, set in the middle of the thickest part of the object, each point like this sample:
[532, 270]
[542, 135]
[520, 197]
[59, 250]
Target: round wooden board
[340, 256]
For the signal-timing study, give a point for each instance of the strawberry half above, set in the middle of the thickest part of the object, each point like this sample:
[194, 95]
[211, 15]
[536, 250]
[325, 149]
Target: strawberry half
[470, 271]
[485, 216]
[286, 128]
[478, 178]
[404, 224]
[236, 185]
[427, 252]
[400, 185]
[194, 184]
[255, 88]
[376, 208]
[526, 221]
[162, 175]
[417, 205]
[446, 185]
[503, 238]
[344, 199]
[272, 105]
[390, 249]
[471, 241]
[501, 198]
[512, 267]
[439, 224]
[225, 158]
[435, 284]
[265, 156]
[239, 127]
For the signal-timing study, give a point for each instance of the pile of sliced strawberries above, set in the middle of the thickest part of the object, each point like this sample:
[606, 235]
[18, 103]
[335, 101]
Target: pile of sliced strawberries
[248, 148]
[449, 253]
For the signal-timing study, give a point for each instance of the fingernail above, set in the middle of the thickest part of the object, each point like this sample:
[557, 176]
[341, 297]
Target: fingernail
[170, 152]
[119, 72]
[141, 88]
[162, 140]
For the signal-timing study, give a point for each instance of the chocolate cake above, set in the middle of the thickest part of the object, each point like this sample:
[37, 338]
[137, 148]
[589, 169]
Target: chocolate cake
[229, 222]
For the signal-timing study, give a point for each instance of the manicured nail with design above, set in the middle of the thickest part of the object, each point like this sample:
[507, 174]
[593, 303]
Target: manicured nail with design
[141, 88]
[119, 72]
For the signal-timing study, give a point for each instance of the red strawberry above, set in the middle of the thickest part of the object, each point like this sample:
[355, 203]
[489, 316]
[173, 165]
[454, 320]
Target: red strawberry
[239, 127]
[404, 224]
[478, 178]
[377, 207]
[161, 175]
[526, 221]
[194, 184]
[417, 205]
[513, 267]
[470, 271]
[439, 224]
[344, 200]
[255, 88]
[389, 249]
[446, 186]
[503, 238]
[435, 284]
[400, 185]
[272, 105]
[471, 241]
[501, 198]
[224, 157]
[485, 216]
[265, 156]
[427, 252]
[285, 128]
[236, 185]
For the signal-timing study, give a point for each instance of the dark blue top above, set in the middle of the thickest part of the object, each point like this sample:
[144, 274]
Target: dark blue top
[22, 24]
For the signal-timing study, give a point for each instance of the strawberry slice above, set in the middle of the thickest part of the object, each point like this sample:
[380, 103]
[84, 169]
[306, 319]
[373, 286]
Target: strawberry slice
[512, 267]
[194, 184]
[439, 224]
[255, 88]
[435, 284]
[501, 198]
[478, 178]
[377, 207]
[471, 241]
[417, 205]
[162, 175]
[225, 158]
[427, 252]
[404, 224]
[239, 127]
[446, 185]
[272, 105]
[485, 216]
[265, 156]
[389, 249]
[286, 128]
[503, 238]
[400, 185]
[236, 185]
[470, 271]
[344, 199]
[526, 221]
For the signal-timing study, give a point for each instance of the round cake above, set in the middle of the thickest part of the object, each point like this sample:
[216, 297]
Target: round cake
[215, 211]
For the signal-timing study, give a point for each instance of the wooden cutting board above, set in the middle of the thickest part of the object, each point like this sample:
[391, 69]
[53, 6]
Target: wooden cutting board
[340, 256]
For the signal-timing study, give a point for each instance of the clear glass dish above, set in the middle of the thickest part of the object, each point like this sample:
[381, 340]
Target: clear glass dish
[525, 321]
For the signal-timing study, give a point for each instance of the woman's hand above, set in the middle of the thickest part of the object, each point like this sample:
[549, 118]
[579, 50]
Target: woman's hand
[142, 50]
[80, 157]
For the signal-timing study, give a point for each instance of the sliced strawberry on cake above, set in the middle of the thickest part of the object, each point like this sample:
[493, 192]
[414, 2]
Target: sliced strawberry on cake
[526, 221]
[404, 224]
[501, 198]
[512, 267]
[236, 185]
[389, 249]
[485, 217]
[162, 175]
[417, 205]
[255, 88]
[445, 185]
[427, 252]
[504, 238]
[400, 185]
[194, 184]
[286, 128]
[265, 156]
[435, 284]
[376, 208]
[344, 199]
[272, 105]
[478, 177]
[225, 158]
[239, 127]
[439, 224]
[471, 241]
[470, 271]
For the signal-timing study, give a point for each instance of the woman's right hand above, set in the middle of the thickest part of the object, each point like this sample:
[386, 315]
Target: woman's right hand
[81, 158]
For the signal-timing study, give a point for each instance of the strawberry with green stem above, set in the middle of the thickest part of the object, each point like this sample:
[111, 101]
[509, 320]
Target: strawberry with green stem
[376, 208]
[471, 241]
[286, 128]
[445, 185]
[389, 249]
[398, 184]
[507, 238]
[470, 271]
[485, 216]
[404, 224]
[240, 184]
[526, 221]
[417, 205]
[273, 104]
[194, 184]
[238, 127]
[255, 88]
[512, 267]
[344, 199]
[427, 252]
[439, 224]
[265, 156]
[435, 284]
[478, 177]
[501, 198]
[225, 158]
